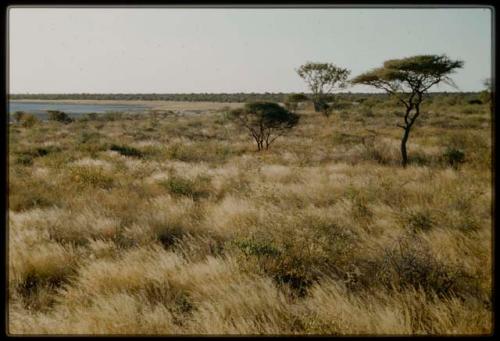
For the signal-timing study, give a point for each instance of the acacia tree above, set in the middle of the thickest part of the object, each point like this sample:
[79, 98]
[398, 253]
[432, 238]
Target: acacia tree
[322, 79]
[409, 80]
[266, 121]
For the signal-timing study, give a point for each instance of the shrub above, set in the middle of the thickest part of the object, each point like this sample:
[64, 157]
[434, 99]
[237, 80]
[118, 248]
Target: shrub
[37, 278]
[24, 159]
[126, 151]
[86, 136]
[25, 119]
[41, 151]
[91, 142]
[283, 265]
[38, 152]
[29, 121]
[419, 220]
[454, 157]
[59, 116]
[18, 116]
[168, 235]
[92, 116]
[410, 264]
[283, 258]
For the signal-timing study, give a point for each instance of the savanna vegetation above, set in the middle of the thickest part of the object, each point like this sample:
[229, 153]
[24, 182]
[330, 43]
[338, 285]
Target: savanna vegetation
[175, 224]
[163, 223]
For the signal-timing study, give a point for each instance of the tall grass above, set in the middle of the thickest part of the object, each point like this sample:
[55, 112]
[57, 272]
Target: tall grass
[179, 227]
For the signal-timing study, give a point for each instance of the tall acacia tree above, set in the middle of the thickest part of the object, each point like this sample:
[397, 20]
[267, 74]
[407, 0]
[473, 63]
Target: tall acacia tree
[408, 80]
[322, 79]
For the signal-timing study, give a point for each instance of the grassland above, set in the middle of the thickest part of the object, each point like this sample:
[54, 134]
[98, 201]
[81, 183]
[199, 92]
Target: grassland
[172, 224]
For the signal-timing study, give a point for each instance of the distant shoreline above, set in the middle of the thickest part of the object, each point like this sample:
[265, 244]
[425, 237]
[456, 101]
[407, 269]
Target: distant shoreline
[150, 104]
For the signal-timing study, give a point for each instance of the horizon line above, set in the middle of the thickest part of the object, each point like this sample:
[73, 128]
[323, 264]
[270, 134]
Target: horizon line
[211, 93]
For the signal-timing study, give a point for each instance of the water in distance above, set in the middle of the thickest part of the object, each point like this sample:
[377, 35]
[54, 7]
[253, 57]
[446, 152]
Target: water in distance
[40, 109]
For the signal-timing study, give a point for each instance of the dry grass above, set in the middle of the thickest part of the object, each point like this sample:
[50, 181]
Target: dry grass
[185, 229]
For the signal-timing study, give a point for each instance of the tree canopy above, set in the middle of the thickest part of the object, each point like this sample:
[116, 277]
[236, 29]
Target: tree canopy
[266, 121]
[412, 74]
[408, 79]
[322, 79]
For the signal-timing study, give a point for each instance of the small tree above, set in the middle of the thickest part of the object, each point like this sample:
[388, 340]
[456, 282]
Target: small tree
[292, 101]
[408, 80]
[266, 121]
[322, 79]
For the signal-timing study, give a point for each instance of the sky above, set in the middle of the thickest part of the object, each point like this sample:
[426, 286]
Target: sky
[213, 50]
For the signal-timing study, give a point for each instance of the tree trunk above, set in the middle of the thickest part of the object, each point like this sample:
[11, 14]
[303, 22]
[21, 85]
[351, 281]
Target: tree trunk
[404, 153]
[259, 144]
[317, 105]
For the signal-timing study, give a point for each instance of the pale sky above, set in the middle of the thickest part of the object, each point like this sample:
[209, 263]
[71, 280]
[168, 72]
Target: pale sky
[184, 50]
